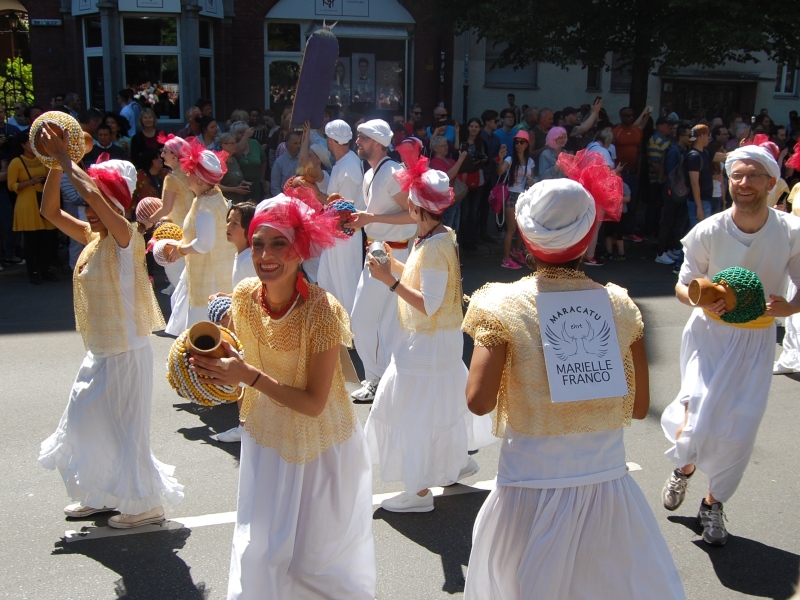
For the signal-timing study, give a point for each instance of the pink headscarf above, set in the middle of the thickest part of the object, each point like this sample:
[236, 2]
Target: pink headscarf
[554, 132]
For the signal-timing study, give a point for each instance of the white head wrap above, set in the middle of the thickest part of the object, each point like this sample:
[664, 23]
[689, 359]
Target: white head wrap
[378, 130]
[756, 153]
[323, 154]
[269, 203]
[556, 214]
[436, 191]
[339, 131]
[124, 169]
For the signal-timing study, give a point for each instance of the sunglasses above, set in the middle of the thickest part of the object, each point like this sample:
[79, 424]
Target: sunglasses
[519, 142]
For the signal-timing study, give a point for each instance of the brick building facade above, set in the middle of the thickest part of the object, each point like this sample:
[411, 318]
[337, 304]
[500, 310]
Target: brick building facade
[238, 53]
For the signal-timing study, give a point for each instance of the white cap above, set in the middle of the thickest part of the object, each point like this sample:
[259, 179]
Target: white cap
[434, 194]
[755, 153]
[125, 169]
[339, 131]
[378, 130]
[323, 154]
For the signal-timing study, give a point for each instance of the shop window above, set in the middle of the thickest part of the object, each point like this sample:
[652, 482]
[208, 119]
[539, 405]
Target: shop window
[95, 82]
[93, 34]
[594, 79]
[507, 77]
[151, 60]
[205, 37]
[283, 75]
[283, 37]
[150, 31]
[207, 60]
[620, 74]
[786, 81]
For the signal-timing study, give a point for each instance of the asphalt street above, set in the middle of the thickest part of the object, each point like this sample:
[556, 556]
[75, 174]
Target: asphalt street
[420, 556]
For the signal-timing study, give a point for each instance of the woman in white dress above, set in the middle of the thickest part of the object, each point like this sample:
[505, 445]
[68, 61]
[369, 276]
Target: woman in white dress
[209, 259]
[304, 513]
[419, 429]
[102, 444]
[566, 520]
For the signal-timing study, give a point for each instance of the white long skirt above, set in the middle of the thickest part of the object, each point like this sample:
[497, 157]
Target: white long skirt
[576, 543]
[183, 316]
[304, 532]
[102, 444]
[174, 270]
[725, 377]
[340, 269]
[420, 429]
[790, 356]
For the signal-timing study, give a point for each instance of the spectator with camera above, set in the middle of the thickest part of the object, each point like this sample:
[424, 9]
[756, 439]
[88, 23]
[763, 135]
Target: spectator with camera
[442, 126]
[472, 174]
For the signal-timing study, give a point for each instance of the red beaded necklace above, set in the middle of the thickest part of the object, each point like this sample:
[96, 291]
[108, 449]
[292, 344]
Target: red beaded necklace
[422, 238]
[280, 313]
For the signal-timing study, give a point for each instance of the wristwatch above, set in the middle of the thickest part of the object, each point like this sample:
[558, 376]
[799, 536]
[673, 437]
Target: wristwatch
[394, 286]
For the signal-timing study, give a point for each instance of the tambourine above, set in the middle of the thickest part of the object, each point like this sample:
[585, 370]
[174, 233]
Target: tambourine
[740, 288]
[79, 144]
[205, 339]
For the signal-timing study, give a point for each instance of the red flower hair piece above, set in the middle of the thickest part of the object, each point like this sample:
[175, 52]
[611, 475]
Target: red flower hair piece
[591, 171]
[111, 184]
[762, 141]
[794, 160]
[308, 232]
[197, 161]
[304, 194]
[173, 143]
[412, 180]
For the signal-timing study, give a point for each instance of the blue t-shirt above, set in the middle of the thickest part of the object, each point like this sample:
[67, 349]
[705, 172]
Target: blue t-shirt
[449, 133]
[506, 138]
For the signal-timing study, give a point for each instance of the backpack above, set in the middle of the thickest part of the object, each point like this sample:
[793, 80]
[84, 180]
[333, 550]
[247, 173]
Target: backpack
[678, 180]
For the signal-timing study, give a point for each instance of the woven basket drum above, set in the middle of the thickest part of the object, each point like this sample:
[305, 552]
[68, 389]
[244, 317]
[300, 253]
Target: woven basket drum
[79, 142]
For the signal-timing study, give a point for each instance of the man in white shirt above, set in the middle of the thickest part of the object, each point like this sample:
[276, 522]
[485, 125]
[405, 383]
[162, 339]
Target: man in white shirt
[286, 164]
[727, 368]
[374, 316]
[340, 266]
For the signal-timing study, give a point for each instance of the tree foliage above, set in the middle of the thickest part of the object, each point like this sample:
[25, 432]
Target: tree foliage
[16, 83]
[647, 35]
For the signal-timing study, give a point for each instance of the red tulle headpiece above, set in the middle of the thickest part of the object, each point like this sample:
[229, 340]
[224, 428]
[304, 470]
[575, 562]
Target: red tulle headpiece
[416, 180]
[304, 194]
[173, 143]
[308, 232]
[593, 173]
[794, 160]
[762, 141]
[198, 160]
[409, 150]
[111, 184]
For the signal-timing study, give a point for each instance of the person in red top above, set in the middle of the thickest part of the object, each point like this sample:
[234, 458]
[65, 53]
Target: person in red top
[628, 142]
[414, 119]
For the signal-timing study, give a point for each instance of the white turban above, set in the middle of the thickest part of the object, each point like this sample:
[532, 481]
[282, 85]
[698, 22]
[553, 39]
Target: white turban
[378, 130]
[756, 153]
[554, 215]
[339, 131]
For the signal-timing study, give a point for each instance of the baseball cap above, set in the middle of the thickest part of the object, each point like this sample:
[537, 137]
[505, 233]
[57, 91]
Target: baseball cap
[569, 110]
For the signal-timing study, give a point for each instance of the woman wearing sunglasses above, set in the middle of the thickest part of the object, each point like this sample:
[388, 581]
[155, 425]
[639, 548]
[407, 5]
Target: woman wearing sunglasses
[517, 170]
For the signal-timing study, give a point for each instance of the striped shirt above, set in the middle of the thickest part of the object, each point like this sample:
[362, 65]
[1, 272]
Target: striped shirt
[656, 149]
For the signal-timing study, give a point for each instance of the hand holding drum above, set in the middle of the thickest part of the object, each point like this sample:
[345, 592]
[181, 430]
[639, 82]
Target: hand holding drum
[739, 288]
[78, 141]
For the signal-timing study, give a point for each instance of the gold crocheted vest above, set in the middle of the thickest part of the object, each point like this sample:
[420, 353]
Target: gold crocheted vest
[282, 349]
[99, 312]
[208, 273]
[178, 182]
[506, 314]
[436, 253]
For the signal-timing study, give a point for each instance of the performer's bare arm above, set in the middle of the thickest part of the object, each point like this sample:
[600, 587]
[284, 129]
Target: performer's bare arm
[641, 401]
[485, 375]
[778, 306]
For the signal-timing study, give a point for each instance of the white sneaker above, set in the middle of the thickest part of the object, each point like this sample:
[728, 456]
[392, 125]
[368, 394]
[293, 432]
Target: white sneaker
[167, 291]
[232, 435]
[779, 369]
[674, 254]
[664, 259]
[367, 392]
[469, 469]
[154, 515]
[408, 503]
[76, 510]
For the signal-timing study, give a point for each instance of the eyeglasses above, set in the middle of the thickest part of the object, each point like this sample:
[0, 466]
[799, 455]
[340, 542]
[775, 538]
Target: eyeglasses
[739, 177]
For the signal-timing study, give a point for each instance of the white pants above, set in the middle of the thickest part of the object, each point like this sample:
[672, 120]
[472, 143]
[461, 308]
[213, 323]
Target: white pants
[376, 328]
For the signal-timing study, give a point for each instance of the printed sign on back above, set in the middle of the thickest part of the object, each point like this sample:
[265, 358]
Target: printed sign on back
[581, 350]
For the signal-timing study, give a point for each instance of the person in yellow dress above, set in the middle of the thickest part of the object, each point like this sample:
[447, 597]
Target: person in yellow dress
[26, 176]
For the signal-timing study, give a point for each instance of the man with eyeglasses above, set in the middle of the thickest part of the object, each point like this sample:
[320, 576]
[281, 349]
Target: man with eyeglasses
[726, 370]
[18, 120]
[506, 131]
[414, 117]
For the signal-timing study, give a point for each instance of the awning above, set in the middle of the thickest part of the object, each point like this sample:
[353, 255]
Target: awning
[714, 75]
[353, 30]
[11, 6]
[369, 11]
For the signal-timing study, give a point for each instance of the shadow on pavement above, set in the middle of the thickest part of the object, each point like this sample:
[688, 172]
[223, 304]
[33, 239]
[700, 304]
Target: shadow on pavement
[149, 565]
[446, 531]
[215, 419]
[747, 566]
